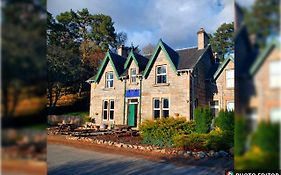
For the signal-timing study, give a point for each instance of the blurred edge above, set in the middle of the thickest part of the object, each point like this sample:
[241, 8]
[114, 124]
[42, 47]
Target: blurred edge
[257, 85]
[23, 87]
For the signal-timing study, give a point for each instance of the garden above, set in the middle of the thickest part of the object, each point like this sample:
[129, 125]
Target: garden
[206, 136]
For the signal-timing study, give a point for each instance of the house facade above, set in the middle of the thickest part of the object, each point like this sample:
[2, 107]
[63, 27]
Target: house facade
[264, 101]
[223, 86]
[130, 88]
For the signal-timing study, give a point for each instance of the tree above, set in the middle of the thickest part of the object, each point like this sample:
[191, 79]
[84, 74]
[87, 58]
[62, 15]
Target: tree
[63, 60]
[23, 52]
[94, 34]
[222, 40]
[148, 49]
[263, 20]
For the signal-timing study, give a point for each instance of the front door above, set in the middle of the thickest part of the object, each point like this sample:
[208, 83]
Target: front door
[132, 114]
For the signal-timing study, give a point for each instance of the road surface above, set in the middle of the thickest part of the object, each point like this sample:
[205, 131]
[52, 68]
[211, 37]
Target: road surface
[67, 160]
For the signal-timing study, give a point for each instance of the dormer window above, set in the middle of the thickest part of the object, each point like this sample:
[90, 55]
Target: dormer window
[109, 80]
[133, 75]
[161, 74]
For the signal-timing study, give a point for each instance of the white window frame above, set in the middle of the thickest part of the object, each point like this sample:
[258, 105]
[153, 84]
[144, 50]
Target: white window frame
[229, 80]
[104, 109]
[275, 115]
[161, 74]
[215, 106]
[108, 110]
[133, 76]
[228, 102]
[274, 74]
[165, 109]
[108, 80]
[158, 109]
[111, 109]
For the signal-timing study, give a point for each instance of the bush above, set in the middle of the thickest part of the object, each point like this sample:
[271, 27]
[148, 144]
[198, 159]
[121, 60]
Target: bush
[193, 141]
[219, 140]
[161, 132]
[215, 140]
[267, 137]
[203, 120]
[225, 121]
[240, 135]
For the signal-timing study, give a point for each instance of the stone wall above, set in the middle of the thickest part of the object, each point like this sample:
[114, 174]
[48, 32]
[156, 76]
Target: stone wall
[100, 93]
[267, 98]
[176, 89]
[222, 93]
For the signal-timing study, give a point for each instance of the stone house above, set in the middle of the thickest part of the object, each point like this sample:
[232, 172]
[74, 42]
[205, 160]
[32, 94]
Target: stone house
[223, 86]
[130, 88]
[265, 82]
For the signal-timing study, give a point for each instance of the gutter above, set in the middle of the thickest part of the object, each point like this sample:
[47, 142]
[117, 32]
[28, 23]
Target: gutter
[140, 77]
[124, 106]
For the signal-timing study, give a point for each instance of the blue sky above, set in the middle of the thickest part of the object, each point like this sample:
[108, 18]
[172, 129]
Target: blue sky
[146, 21]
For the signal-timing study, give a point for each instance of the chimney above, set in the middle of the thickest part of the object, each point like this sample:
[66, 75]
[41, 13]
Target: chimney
[203, 39]
[122, 51]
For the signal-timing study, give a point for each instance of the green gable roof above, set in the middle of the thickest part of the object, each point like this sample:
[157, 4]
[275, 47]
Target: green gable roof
[131, 57]
[171, 55]
[117, 63]
[260, 59]
[228, 58]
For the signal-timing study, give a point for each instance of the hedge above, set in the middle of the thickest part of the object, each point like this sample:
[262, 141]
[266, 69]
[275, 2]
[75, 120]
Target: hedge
[161, 132]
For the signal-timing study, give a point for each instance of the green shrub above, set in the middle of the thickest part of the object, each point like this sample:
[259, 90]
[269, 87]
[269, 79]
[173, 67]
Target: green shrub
[203, 120]
[267, 137]
[161, 132]
[240, 135]
[215, 140]
[225, 120]
[193, 141]
[219, 140]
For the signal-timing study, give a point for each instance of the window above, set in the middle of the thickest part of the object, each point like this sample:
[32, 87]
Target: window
[160, 107]
[104, 110]
[108, 110]
[111, 110]
[133, 75]
[165, 107]
[109, 80]
[275, 74]
[230, 106]
[156, 108]
[214, 105]
[230, 78]
[161, 74]
[275, 115]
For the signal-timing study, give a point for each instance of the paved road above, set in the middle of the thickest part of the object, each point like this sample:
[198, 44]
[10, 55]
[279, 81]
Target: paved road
[68, 160]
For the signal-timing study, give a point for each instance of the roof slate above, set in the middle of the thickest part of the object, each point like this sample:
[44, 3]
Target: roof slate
[181, 59]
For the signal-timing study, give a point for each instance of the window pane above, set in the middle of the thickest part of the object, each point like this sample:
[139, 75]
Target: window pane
[229, 74]
[111, 115]
[111, 83]
[161, 69]
[165, 113]
[133, 71]
[111, 75]
[105, 104]
[156, 114]
[156, 103]
[230, 106]
[105, 115]
[165, 103]
[275, 115]
[111, 104]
